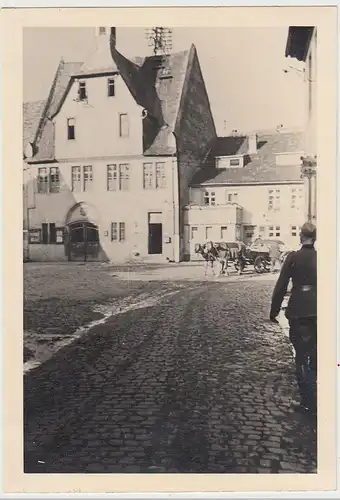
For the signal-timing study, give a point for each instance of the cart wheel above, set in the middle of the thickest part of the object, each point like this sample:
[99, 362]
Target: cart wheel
[260, 265]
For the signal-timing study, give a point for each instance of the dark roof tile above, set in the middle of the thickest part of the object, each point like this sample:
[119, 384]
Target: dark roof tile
[32, 113]
[259, 168]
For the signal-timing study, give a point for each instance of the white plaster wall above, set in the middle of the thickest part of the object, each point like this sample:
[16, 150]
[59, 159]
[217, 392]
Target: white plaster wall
[97, 123]
[131, 207]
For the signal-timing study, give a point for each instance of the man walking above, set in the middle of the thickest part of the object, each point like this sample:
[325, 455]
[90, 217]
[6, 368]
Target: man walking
[274, 255]
[301, 312]
[240, 255]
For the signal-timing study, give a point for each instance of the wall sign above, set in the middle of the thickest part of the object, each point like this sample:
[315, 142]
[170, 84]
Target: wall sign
[35, 236]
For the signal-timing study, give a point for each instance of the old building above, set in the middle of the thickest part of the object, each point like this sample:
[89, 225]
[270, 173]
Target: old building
[248, 186]
[110, 154]
[302, 45]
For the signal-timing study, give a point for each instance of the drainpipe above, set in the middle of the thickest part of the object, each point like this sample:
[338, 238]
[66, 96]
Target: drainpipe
[175, 209]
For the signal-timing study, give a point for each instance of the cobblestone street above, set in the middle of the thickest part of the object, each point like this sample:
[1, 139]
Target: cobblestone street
[192, 379]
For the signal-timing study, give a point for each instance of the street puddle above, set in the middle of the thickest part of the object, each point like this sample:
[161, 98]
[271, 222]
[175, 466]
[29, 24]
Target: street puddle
[45, 346]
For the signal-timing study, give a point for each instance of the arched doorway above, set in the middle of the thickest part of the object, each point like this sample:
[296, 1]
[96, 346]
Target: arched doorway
[82, 239]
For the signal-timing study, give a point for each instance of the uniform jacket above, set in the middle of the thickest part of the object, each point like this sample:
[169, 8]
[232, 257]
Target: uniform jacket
[300, 267]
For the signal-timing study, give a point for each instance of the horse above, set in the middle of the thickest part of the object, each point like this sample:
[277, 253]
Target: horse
[212, 252]
[223, 255]
[209, 255]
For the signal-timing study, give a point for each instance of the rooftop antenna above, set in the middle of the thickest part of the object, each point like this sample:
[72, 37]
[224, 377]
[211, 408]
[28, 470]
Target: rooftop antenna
[160, 39]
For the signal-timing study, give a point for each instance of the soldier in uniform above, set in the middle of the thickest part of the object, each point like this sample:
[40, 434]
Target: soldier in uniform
[241, 255]
[301, 312]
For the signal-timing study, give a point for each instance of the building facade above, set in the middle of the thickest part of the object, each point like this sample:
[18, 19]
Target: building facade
[248, 187]
[302, 45]
[108, 157]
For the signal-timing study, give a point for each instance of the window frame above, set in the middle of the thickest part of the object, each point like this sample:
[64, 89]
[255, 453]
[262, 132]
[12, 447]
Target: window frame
[111, 85]
[54, 186]
[79, 183]
[121, 125]
[118, 232]
[82, 90]
[71, 129]
[87, 178]
[44, 183]
[209, 198]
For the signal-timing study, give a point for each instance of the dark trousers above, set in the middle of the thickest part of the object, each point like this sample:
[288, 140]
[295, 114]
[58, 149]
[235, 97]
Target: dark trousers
[303, 336]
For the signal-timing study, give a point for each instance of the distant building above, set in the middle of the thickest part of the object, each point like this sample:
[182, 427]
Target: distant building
[302, 45]
[248, 187]
[108, 157]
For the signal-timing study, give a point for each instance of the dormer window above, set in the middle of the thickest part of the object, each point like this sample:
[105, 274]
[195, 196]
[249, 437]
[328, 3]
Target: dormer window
[229, 161]
[82, 91]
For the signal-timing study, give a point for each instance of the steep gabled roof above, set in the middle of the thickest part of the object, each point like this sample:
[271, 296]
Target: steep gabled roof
[32, 114]
[42, 133]
[155, 82]
[259, 168]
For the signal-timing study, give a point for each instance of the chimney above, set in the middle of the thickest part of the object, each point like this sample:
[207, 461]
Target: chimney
[252, 144]
[105, 35]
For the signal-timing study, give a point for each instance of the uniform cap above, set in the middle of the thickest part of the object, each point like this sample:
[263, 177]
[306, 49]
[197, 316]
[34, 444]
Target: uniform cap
[308, 230]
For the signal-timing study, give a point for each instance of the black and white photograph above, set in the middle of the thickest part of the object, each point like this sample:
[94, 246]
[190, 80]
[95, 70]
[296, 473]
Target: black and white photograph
[170, 235]
[170, 249]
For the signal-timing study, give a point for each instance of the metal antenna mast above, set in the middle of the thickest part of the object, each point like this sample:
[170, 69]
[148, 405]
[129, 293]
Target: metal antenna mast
[160, 39]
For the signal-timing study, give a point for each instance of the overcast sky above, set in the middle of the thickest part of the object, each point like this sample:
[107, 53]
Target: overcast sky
[242, 69]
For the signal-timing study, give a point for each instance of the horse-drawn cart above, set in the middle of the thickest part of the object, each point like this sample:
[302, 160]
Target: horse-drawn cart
[258, 255]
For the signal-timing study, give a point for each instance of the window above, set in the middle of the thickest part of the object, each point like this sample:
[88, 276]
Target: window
[123, 125]
[209, 198]
[277, 231]
[121, 231]
[118, 177]
[208, 233]
[294, 230]
[160, 175]
[114, 231]
[88, 177]
[124, 176]
[112, 177]
[262, 230]
[102, 31]
[118, 231]
[76, 179]
[148, 177]
[54, 180]
[274, 199]
[229, 161]
[231, 197]
[296, 198]
[224, 232]
[111, 87]
[82, 91]
[59, 235]
[271, 231]
[194, 230]
[42, 180]
[71, 128]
